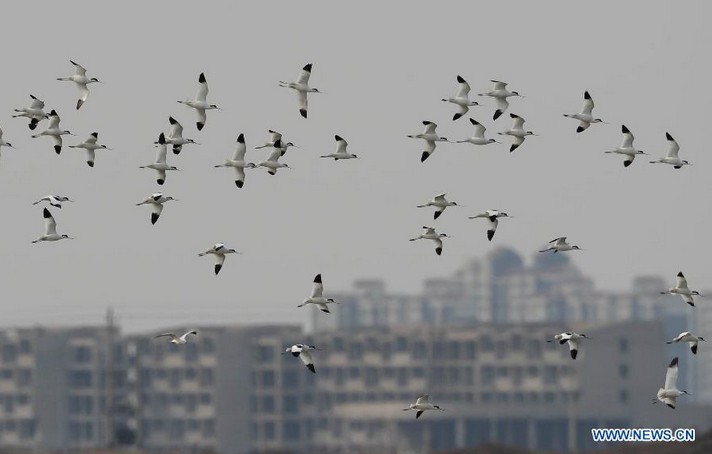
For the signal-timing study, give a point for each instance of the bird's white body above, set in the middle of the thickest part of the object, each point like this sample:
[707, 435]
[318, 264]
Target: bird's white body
[200, 103]
[340, 152]
[431, 234]
[178, 340]
[572, 339]
[517, 132]
[439, 202]
[301, 85]
[54, 131]
[585, 117]
[493, 217]
[219, 251]
[672, 158]
[690, 338]
[421, 405]
[669, 393]
[156, 201]
[91, 145]
[500, 94]
[302, 352]
[461, 98]
[238, 162]
[160, 166]
[81, 80]
[478, 136]
[626, 147]
[560, 245]
[317, 296]
[430, 137]
[50, 229]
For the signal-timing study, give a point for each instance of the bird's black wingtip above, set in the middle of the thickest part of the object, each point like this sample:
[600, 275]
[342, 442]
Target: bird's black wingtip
[162, 139]
[438, 250]
[307, 67]
[338, 138]
[460, 80]
[424, 156]
[456, 116]
[586, 95]
[513, 147]
[311, 368]
[497, 114]
[627, 163]
[241, 138]
[668, 136]
[317, 279]
[490, 235]
[95, 135]
[673, 363]
[217, 268]
[580, 129]
[436, 214]
[58, 149]
[154, 218]
[624, 129]
[172, 120]
[239, 183]
[574, 353]
[200, 125]
[160, 181]
[201, 78]
[90, 163]
[46, 214]
[303, 112]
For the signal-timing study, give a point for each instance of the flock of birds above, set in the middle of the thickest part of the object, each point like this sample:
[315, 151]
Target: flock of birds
[35, 113]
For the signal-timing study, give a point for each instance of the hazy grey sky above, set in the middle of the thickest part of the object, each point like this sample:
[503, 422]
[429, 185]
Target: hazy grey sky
[384, 67]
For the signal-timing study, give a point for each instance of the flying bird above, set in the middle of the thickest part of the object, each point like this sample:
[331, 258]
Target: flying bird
[669, 393]
[81, 80]
[219, 251]
[585, 117]
[430, 137]
[571, 338]
[160, 166]
[175, 136]
[690, 339]
[54, 200]
[560, 245]
[275, 136]
[301, 351]
[431, 234]
[672, 154]
[3, 143]
[91, 146]
[54, 132]
[422, 404]
[439, 202]
[50, 229]
[626, 148]
[340, 152]
[156, 201]
[35, 112]
[238, 162]
[178, 340]
[200, 103]
[683, 290]
[461, 98]
[478, 137]
[493, 217]
[516, 131]
[272, 163]
[302, 87]
[500, 95]
[317, 297]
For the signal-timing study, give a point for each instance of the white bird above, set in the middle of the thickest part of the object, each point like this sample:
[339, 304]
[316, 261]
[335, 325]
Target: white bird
[500, 95]
[431, 234]
[516, 131]
[156, 201]
[54, 200]
[571, 338]
[200, 103]
[160, 166]
[272, 163]
[669, 393]
[585, 117]
[54, 131]
[672, 154]
[178, 340]
[340, 152]
[50, 229]
[81, 80]
[302, 351]
[422, 404]
[175, 136]
[275, 136]
[493, 217]
[317, 296]
[430, 137]
[461, 98]
[91, 146]
[302, 87]
[439, 202]
[683, 290]
[478, 137]
[219, 251]
[560, 245]
[238, 162]
[35, 112]
[3, 143]
[626, 148]
[690, 339]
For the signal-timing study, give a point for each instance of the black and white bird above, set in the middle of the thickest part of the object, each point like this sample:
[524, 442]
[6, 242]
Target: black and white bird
[175, 136]
[585, 117]
[200, 103]
[478, 137]
[3, 143]
[493, 217]
[500, 94]
[461, 98]
[178, 340]
[301, 351]
[275, 136]
[54, 200]
[35, 112]
[516, 131]
[50, 229]
[238, 163]
[571, 338]
[156, 201]
[422, 403]
[439, 202]
[672, 157]
[340, 152]
[431, 234]
[219, 251]
[317, 296]
[272, 163]
[91, 145]
[560, 245]
[683, 290]
[690, 339]
[302, 88]
[81, 80]
[430, 137]
[626, 148]
[54, 132]
[669, 393]
[160, 166]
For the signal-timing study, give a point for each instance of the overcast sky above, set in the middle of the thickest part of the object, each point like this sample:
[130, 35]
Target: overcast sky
[384, 67]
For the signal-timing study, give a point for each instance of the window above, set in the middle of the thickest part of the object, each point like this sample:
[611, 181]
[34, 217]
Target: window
[82, 354]
[267, 404]
[206, 377]
[290, 404]
[80, 379]
[623, 370]
[290, 378]
[265, 354]
[291, 430]
[401, 344]
[268, 430]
